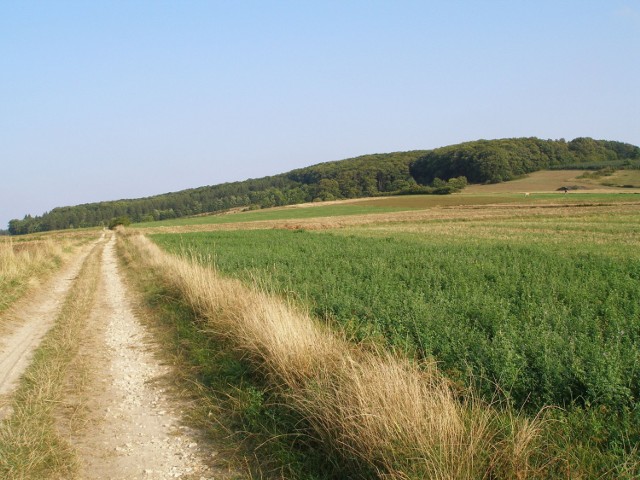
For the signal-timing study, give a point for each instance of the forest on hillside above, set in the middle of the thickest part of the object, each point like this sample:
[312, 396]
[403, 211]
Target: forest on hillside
[493, 161]
[437, 171]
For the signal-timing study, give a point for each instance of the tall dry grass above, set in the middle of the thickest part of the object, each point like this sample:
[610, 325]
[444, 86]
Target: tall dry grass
[400, 419]
[22, 262]
[26, 262]
[15, 257]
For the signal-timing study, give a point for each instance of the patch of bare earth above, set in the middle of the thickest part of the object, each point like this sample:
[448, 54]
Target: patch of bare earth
[125, 423]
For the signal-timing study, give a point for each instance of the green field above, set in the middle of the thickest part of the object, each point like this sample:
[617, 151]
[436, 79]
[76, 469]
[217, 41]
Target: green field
[547, 308]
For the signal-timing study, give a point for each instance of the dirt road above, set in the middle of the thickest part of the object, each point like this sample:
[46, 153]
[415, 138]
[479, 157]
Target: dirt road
[130, 424]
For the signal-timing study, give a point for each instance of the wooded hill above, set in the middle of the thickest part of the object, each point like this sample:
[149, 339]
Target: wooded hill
[420, 171]
[493, 161]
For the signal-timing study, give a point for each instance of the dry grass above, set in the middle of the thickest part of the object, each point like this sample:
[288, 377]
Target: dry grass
[20, 260]
[622, 177]
[542, 181]
[26, 261]
[30, 447]
[563, 209]
[400, 419]
[614, 226]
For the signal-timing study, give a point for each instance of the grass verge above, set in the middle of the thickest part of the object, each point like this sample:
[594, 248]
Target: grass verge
[370, 414]
[250, 429]
[30, 447]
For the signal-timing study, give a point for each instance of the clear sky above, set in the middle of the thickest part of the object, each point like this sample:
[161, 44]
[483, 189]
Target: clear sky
[101, 100]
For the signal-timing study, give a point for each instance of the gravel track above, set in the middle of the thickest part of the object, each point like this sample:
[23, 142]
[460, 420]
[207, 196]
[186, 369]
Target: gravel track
[135, 431]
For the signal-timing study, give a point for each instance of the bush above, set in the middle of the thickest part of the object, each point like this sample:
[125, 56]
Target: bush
[116, 221]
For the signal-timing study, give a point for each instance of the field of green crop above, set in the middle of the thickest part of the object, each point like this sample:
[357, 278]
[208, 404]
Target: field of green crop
[546, 308]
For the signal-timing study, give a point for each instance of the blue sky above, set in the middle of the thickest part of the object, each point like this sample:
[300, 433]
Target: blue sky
[101, 100]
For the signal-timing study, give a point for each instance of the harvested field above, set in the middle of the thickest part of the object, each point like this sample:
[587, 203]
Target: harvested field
[565, 209]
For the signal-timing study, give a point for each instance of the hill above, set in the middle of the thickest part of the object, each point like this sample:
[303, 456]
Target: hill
[419, 171]
[494, 161]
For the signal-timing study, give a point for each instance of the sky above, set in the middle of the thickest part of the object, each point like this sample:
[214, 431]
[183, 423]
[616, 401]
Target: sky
[103, 100]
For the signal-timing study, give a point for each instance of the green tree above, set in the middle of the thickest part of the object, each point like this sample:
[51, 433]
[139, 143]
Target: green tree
[328, 189]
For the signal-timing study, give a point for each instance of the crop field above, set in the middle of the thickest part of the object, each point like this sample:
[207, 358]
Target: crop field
[497, 198]
[415, 209]
[545, 306]
[475, 195]
[275, 214]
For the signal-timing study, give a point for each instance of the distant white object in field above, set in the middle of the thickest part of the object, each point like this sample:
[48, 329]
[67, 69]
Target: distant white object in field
[526, 194]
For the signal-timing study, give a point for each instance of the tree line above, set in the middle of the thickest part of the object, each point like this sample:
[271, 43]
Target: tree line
[440, 171]
[369, 175]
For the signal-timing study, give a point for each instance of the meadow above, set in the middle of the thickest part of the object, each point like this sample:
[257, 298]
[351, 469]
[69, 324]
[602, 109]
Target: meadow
[622, 178]
[540, 309]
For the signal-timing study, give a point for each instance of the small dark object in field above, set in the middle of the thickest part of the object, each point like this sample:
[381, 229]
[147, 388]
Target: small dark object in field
[570, 187]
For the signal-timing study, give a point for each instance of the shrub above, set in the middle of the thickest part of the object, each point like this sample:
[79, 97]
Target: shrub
[122, 220]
